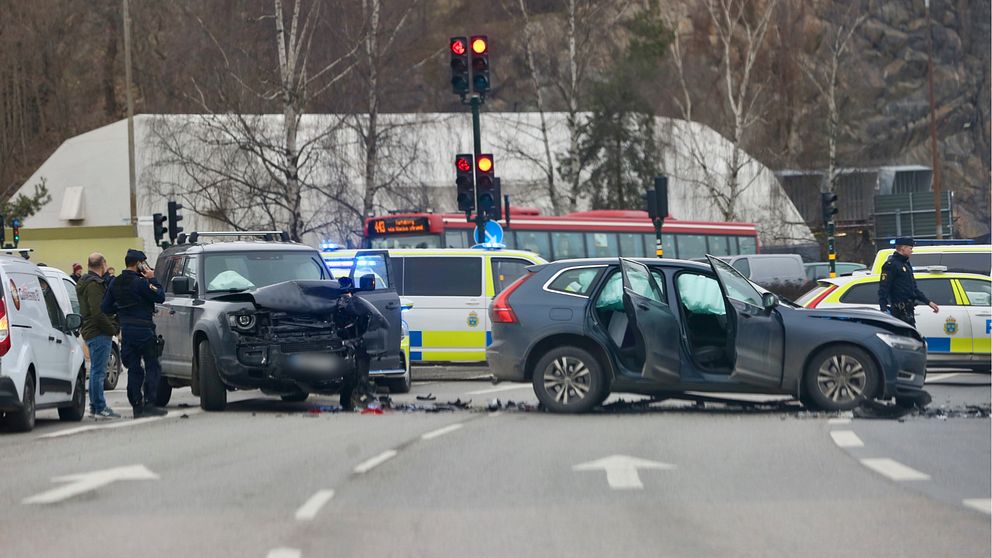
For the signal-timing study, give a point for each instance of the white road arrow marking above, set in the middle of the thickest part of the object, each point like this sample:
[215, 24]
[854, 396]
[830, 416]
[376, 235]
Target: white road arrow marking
[621, 470]
[85, 482]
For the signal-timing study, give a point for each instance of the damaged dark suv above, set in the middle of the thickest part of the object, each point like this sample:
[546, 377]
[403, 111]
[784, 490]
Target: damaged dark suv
[267, 314]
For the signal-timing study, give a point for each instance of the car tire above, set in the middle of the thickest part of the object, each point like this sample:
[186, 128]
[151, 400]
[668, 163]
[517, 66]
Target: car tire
[213, 394]
[401, 384]
[840, 378]
[164, 392]
[114, 368]
[570, 380]
[295, 397]
[22, 420]
[76, 411]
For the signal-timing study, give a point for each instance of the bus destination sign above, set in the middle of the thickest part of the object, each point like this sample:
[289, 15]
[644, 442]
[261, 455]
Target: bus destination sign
[398, 225]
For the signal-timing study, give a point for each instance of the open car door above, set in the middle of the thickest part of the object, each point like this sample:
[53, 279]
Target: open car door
[656, 330]
[371, 272]
[758, 333]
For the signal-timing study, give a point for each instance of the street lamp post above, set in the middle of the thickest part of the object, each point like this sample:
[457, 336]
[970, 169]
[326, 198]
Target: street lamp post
[933, 125]
[130, 117]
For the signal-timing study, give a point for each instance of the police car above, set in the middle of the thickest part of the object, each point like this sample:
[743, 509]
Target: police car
[960, 335]
[450, 291]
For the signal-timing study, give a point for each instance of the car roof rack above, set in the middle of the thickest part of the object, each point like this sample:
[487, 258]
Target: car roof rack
[267, 236]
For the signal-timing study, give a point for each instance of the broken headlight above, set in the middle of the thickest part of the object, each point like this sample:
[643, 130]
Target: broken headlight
[900, 341]
[242, 322]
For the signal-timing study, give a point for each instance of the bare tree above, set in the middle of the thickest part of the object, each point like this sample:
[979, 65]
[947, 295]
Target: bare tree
[823, 68]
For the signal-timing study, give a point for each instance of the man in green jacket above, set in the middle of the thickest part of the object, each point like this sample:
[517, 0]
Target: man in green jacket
[98, 331]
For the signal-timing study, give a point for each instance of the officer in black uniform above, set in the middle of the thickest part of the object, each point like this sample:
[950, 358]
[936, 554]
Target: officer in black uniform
[132, 296]
[897, 291]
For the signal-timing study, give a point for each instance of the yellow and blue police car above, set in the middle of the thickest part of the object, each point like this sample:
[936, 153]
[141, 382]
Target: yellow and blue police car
[450, 290]
[959, 336]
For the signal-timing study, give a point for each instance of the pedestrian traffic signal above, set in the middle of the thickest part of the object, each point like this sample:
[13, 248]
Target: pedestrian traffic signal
[464, 182]
[15, 225]
[159, 228]
[486, 184]
[459, 65]
[828, 205]
[174, 218]
[480, 64]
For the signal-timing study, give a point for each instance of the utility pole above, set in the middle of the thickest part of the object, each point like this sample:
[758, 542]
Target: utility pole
[130, 118]
[933, 125]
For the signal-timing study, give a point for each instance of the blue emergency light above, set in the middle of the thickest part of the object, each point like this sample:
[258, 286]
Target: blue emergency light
[935, 242]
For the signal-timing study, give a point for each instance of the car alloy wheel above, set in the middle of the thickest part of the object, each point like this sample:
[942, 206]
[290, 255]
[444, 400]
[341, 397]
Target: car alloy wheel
[567, 380]
[842, 379]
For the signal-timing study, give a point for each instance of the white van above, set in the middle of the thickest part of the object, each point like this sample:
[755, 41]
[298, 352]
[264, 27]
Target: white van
[41, 362]
[451, 290]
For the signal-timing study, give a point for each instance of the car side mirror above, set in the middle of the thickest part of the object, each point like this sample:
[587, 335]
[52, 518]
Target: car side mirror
[73, 322]
[366, 283]
[769, 300]
[346, 283]
[182, 285]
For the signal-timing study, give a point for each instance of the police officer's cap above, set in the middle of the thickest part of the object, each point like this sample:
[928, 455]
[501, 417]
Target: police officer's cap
[904, 241]
[133, 254]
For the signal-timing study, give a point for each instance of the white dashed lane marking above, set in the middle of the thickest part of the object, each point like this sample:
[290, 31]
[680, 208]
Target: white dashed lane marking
[283, 553]
[846, 439]
[370, 464]
[441, 431]
[893, 469]
[312, 507]
[983, 505]
[109, 424]
[840, 420]
[499, 389]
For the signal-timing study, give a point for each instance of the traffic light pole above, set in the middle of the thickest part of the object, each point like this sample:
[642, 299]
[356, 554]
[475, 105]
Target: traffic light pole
[480, 216]
[831, 251]
[658, 250]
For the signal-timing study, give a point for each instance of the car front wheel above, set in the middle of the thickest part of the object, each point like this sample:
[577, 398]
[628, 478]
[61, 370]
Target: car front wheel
[113, 369]
[840, 378]
[213, 394]
[570, 380]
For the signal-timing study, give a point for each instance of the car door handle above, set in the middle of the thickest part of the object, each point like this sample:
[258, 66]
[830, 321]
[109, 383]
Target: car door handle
[50, 338]
[643, 307]
[392, 306]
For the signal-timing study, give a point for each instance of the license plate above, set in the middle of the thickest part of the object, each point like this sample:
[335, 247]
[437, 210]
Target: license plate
[315, 362]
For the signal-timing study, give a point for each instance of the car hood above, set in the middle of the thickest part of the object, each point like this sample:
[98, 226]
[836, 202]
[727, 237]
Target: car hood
[302, 297]
[870, 317]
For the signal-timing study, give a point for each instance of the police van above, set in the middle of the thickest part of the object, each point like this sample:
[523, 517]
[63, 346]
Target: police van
[451, 291]
[41, 362]
[959, 258]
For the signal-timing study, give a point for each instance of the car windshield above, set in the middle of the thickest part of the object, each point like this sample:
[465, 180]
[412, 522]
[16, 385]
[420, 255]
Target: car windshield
[243, 271]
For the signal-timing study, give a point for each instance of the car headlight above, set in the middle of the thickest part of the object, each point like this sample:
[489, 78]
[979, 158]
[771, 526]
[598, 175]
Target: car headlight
[900, 341]
[241, 322]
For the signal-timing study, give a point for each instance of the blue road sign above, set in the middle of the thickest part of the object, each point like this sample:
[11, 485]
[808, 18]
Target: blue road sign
[494, 233]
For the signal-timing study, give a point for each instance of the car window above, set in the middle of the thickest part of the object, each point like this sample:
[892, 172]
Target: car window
[240, 271]
[700, 294]
[73, 297]
[639, 281]
[864, 293]
[506, 271]
[55, 314]
[742, 266]
[979, 292]
[436, 276]
[191, 267]
[738, 288]
[938, 290]
[169, 268]
[966, 262]
[577, 281]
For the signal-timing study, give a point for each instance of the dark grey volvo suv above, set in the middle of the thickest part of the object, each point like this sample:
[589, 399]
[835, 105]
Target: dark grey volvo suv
[581, 329]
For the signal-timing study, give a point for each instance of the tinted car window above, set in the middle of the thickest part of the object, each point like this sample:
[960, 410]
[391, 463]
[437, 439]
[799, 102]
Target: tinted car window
[742, 266]
[506, 271]
[442, 276]
[576, 281]
[866, 293]
[979, 292]
[966, 263]
[938, 290]
[52, 304]
[640, 282]
[737, 287]
[73, 297]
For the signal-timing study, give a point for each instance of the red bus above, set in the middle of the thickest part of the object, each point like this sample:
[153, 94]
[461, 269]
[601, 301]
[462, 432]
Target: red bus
[600, 233]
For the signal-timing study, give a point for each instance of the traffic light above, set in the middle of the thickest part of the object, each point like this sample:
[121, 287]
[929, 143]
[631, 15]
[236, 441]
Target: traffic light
[458, 47]
[464, 182]
[159, 228]
[480, 63]
[3, 231]
[486, 185]
[656, 200]
[15, 224]
[828, 205]
[174, 218]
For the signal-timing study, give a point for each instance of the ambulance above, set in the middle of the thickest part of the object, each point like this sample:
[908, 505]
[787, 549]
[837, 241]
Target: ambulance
[450, 290]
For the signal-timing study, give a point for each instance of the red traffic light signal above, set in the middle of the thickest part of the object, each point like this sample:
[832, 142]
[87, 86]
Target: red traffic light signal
[463, 164]
[459, 65]
[464, 182]
[458, 46]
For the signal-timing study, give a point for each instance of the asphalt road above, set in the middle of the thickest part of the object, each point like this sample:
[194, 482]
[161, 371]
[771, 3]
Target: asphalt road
[274, 479]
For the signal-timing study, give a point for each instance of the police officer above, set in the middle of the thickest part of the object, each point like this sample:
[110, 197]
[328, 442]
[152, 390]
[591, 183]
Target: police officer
[897, 291]
[132, 296]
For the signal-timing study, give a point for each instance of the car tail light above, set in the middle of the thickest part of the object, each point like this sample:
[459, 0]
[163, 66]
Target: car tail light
[821, 296]
[501, 312]
[4, 329]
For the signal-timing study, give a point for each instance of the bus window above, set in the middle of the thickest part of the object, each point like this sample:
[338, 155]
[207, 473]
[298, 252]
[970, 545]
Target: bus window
[412, 241]
[747, 244]
[602, 244]
[534, 241]
[717, 245]
[691, 246]
[631, 245]
[567, 245]
[456, 239]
